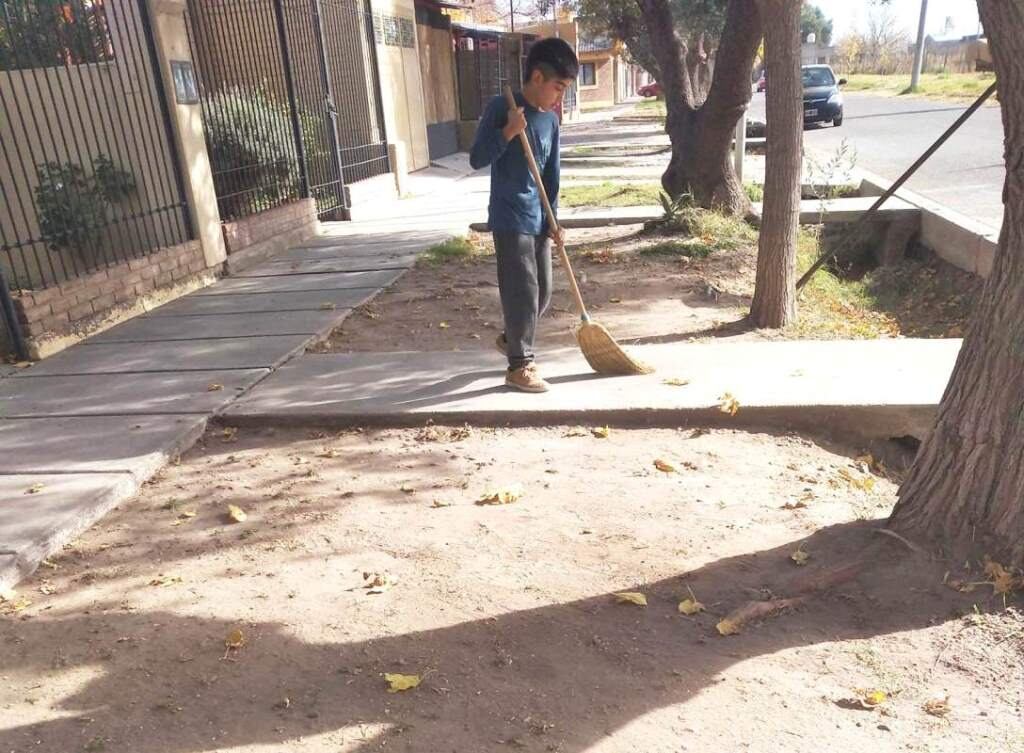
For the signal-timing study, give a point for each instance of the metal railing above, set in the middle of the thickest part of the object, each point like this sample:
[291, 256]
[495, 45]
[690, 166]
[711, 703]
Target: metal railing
[90, 174]
[290, 100]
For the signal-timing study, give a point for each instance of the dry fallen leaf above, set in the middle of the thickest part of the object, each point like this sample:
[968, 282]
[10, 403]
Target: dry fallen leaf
[330, 452]
[328, 306]
[601, 432]
[937, 707]
[864, 483]
[505, 496]
[690, 606]
[378, 583]
[728, 404]
[235, 639]
[443, 325]
[439, 503]
[727, 627]
[631, 597]
[230, 434]
[35, 488]
[397, 683]
[236, 514]
[873, 697]
[664, 466]
[674, 382]
[214, 387]
[614, 300]
[800, 557]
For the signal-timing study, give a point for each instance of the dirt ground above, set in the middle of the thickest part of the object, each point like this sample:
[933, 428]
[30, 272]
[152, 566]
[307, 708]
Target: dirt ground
[454, 304]
[507, 612]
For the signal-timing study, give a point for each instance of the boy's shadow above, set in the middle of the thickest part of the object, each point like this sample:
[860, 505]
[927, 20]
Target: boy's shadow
[562, 675]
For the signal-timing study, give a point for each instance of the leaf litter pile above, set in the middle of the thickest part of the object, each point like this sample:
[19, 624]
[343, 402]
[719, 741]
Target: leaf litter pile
[574, 589]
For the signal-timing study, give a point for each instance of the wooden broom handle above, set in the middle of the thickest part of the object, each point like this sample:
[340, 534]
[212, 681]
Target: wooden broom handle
[552, 221]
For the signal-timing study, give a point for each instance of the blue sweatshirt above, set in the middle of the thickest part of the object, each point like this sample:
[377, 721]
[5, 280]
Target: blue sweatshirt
[515, 204]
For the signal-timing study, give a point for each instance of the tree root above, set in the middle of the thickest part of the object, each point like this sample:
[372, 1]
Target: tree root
[910, 544]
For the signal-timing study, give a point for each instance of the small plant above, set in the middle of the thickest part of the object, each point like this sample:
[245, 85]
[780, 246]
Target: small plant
[449, 250]
[673, 209]
[74, 206]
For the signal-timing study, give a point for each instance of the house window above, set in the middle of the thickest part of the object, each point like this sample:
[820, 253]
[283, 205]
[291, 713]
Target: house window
[588, 74]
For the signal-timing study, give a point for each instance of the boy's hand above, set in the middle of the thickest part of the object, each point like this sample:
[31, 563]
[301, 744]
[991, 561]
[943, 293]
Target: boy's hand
[516, 124]
[557, 236]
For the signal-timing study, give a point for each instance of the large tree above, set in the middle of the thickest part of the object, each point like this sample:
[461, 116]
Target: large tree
[701, 52]
[966, 488]
[774, 303]
[702, 110]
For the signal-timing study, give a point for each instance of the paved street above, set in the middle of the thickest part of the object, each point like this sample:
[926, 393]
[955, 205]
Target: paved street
[889, 133]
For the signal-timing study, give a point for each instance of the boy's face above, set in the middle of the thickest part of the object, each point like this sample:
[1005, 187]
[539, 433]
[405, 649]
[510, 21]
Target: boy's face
[548, 91]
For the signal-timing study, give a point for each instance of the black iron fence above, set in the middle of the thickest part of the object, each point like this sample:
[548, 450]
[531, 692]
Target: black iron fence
[88, 173]
[290, 98]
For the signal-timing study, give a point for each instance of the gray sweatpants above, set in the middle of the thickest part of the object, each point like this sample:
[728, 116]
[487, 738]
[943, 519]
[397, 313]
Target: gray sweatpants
[524, 280]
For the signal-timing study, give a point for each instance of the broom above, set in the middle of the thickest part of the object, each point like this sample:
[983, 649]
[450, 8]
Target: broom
[604, 355]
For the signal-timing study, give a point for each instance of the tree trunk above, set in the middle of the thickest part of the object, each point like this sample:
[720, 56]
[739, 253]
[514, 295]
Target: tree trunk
[774, 303]
[966, 488]
[701, 130]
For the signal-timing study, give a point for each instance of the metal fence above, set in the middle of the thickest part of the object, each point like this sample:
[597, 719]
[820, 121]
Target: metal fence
[290, 100]
[90, 177]
[485, 62]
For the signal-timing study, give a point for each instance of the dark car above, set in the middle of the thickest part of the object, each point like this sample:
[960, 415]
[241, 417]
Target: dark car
[823, 102]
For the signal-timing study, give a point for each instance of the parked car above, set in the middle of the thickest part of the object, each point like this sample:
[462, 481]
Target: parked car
[823, 102]
[762, 83]
[650, 90]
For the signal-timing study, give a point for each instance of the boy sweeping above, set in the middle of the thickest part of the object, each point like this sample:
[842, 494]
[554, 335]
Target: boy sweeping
[522, 237]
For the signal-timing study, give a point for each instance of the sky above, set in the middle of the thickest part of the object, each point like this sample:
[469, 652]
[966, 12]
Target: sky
[848, 15]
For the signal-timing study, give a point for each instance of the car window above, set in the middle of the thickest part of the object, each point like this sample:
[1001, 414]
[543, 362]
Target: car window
[818, 77]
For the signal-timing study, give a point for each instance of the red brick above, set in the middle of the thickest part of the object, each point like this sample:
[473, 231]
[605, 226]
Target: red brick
[103, 303]
[164, 279]
[144, 288]
[122, 295]
[80, 311]
[149, 273]
[132, 280]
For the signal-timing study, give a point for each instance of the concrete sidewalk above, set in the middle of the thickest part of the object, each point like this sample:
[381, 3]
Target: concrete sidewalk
[875, 388]
[81, 431]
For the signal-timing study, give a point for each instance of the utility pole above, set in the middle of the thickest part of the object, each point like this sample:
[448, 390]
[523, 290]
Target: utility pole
[511, 15]
[915, 74]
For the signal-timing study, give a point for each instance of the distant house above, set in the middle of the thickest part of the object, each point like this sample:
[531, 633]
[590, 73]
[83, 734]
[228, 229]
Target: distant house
[958, 54]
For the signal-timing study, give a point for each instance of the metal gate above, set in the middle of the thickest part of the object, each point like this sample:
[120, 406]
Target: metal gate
[290, 99]
[89, 176]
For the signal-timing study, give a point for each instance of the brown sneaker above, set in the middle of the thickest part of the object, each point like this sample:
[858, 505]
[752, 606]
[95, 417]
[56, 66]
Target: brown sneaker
[501, 344]
[526, 379]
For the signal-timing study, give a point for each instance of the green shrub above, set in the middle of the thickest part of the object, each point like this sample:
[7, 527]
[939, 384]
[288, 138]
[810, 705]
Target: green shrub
[73, 206]
[252, 151]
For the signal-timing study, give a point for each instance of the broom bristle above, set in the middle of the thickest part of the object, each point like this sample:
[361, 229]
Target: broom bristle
[604, 355]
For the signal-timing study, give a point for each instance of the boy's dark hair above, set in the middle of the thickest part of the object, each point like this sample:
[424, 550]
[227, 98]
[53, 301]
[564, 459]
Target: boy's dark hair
[553, 57]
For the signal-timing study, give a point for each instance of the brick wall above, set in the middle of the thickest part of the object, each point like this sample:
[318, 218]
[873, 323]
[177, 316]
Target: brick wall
[78, 305]
[286, 220]
[604, 90]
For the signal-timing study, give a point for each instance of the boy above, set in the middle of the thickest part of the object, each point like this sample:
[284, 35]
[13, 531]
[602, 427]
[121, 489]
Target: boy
[522, 237]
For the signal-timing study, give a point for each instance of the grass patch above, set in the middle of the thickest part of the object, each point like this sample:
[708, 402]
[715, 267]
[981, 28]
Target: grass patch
[754, 191]
[698, 232]
[937, 85]
[610, 194]
[652, 107]
[453, 249]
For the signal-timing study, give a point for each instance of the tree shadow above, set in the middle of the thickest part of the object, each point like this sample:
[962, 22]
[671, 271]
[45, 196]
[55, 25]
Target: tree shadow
[563, 675]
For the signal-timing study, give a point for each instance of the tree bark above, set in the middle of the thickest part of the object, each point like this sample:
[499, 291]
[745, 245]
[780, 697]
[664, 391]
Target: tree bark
[701, 129]
[774, 303]
[966, 488]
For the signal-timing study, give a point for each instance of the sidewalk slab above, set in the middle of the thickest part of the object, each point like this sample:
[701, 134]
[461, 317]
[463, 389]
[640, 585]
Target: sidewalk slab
[301, 283]
[125, 394]
[138, 445]
[35, 525]
[877, 388]
[172, 356]
[320, 300]
[261, 324]
[289, 264]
